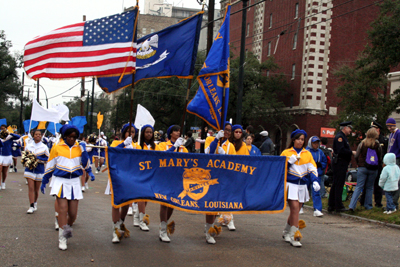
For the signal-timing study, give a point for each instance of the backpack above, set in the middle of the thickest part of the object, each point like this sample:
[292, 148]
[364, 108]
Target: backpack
[328, 155]
[371, 160]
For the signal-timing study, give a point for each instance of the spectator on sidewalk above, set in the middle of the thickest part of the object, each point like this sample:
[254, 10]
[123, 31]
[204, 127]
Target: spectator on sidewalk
[267, 147]
[389, 180]
[320, 160]
[394, 147]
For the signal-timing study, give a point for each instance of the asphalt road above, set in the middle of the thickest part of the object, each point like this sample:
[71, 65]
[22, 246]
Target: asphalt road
[30, 239]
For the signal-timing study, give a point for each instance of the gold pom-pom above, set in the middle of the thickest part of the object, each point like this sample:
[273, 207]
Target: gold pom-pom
[119, 233]
[212, 232]
[302, 224]
[171, 228]
[297, 236]
[225, 219]
[146, 219]
[4, 133]
[126, 231]
[218, 229]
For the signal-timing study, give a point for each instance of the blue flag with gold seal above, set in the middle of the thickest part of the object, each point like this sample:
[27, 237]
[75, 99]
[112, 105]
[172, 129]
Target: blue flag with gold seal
[163, 54]
[198, 183]
[214, 80]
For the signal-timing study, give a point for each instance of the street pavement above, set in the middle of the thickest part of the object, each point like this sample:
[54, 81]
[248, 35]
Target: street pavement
[30, 239]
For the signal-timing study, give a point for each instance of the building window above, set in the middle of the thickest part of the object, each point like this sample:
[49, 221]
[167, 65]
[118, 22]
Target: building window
[152, 30]
[295, 40]
[248, 29]
[269, 48]
[144, 31]
[267, 73]
[293, 71]
[296, 11]
[270, 20]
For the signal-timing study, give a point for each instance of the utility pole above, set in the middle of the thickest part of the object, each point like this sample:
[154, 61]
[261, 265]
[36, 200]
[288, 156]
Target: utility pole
[210, 33]
[22, 105]
[91, 108]
[87, 106]
[241, 67]
[83, 86]
[37, 97]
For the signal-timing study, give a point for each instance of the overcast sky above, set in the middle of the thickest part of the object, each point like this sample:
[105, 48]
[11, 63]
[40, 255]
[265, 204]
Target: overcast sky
[24, 19]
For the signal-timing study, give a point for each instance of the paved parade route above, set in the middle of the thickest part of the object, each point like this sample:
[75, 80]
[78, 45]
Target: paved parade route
[30, 239]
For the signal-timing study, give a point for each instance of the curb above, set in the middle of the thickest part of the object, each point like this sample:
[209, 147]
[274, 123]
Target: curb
[358, 218]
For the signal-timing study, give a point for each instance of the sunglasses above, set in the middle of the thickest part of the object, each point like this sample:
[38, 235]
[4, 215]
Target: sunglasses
[238, 131]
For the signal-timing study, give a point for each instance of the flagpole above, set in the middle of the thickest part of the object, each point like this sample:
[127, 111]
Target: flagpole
[184, 110]
[133, 74]
[223, 107]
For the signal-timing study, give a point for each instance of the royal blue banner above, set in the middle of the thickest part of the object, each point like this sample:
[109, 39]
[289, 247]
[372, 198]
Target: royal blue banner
[213, 93]
[163, 54]
[198, 183]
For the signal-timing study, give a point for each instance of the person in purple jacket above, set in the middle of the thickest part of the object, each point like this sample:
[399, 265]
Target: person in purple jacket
[394, 147]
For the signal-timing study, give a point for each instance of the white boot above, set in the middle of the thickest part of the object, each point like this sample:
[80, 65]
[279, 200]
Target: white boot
[117, 233]
[62, 241]
[35, 206]
[286, 233]
[209, 238]
[142, 224]
[136, 219]
[293, 242]
[56, 226]
[163, 232]
[130, 211]
[231, 225]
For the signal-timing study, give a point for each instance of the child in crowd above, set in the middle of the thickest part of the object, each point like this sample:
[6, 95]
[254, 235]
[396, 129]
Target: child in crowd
[389, 181]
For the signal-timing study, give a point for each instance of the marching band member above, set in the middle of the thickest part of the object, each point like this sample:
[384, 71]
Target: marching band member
[147, 142]
[5, 152]
[174, 143]
[253, 150]
[67, 159]
[300, 166]
[237, 140]
[34, 176]
[15, 152]
[99, 153]
[119, 214]
[218, 145]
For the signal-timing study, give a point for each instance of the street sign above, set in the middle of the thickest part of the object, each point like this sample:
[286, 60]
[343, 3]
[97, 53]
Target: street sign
[194, 128]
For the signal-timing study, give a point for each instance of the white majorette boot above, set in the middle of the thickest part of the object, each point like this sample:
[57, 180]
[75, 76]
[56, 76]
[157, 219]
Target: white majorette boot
[144, 221]
[136, 219]
[210, 233]
[295, 242]
[62, 241]
[118, 234]
[35, 206]
[163, 232]
[286, 233]
[130, 211]
[231, 225]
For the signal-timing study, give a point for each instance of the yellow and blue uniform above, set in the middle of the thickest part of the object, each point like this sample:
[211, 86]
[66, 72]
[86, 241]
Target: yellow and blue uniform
[211, 146]
[243, 150]
[303, 168]
[67, 162]
[253, 150]
[169, 146]
[148, 147]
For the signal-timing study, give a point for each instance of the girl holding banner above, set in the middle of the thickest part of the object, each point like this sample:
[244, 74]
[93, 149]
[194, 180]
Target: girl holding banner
[146, 143]
[175, 143]
[119, 214]
[301, 167]
[218, 145]
[67, 159]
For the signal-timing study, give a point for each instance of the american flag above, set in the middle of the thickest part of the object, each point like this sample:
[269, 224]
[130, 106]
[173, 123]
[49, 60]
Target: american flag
[99, 47]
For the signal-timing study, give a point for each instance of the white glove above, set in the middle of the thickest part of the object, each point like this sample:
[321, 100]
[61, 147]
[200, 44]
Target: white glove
[316, 186]
[128, 141]
[221, 151]
[178, 142]
[292, 159]
[220, 134]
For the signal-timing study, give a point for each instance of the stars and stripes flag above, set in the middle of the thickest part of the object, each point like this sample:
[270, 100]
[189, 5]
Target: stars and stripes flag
[100, 47]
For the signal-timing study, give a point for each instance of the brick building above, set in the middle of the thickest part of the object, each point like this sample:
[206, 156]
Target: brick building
[309, 40]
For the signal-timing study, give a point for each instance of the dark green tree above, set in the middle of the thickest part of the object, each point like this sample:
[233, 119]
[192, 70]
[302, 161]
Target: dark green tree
[10, 86]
